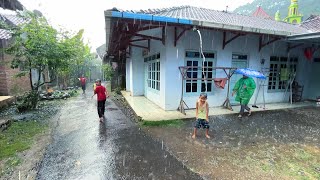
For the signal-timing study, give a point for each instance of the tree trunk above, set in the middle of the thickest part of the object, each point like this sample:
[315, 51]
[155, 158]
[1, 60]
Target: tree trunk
[30, 75]
[39, 77]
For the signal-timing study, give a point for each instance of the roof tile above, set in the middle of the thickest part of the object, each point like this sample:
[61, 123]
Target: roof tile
[227, 18]
[5, 34]
[312, 23]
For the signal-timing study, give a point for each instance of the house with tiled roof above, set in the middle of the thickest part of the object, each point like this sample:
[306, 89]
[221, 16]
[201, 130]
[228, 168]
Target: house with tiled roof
[259, 12]
[9, 83]
[312, 23]
[159, 55]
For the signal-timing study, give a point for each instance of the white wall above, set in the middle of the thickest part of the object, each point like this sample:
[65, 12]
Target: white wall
[136, 65]
[136, 72]
[172, 57]
[128, 73]
[310, 79]
[212, 42]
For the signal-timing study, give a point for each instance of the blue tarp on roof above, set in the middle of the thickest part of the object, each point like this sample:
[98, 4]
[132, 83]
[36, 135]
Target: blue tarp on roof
[148, 17]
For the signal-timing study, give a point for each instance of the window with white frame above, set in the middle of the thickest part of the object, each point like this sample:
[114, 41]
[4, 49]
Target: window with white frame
[153, 80]
[280, 70]
[199, 85]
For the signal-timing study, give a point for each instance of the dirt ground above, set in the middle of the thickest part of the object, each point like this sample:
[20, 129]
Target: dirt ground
[25, 165]
[282, 144]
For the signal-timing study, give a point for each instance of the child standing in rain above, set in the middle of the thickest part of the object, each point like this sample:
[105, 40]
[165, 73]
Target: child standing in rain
[202, 115]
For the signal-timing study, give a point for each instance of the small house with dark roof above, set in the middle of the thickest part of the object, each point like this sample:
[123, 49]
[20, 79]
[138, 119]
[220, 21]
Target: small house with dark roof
[159, 55]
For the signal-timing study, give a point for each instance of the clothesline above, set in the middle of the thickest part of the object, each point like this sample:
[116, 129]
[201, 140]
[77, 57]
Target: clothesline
[219, 82]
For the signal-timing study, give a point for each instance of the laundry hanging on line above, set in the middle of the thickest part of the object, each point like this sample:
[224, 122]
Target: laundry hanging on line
[220, 82]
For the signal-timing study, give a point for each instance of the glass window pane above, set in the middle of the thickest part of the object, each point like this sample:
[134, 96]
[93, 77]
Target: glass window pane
[194, 74]
[209, 87]
[195, 63]
[188, 87]
[189, 74]
[189, 63]
[203, 87]
[194, 87]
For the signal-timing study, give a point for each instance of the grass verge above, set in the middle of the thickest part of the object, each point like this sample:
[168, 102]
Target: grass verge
[287, 162]
[163, 123]
[17, 138]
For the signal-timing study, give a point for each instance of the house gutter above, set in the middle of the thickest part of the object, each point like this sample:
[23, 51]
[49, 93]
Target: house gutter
[148, 17]
[308, 36]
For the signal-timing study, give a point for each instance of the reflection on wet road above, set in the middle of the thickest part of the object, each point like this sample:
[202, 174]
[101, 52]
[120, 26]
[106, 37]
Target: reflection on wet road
[83, 148]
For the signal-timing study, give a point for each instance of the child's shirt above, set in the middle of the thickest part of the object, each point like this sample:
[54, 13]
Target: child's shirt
[101, 93]
[83, 80]
[202, 110]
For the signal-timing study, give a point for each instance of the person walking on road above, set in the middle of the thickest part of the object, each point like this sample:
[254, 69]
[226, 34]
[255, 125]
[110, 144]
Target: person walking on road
[244, 88]
[83, 80]
[102, 95]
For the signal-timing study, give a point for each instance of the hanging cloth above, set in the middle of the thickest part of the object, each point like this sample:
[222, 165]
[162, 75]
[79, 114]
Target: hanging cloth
[308, 53]
[220, 82]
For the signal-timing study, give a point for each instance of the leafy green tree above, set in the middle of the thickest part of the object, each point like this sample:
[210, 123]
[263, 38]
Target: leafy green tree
[38, 46]
[108, 71]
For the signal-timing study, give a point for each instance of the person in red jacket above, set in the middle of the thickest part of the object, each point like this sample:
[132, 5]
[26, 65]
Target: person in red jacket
[102, 95]
[83, 80]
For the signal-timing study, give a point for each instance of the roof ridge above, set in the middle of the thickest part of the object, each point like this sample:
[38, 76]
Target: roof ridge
[312, 19]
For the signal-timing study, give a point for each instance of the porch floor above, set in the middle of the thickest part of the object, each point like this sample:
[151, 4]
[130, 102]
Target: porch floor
[149, 111]
[6, 100]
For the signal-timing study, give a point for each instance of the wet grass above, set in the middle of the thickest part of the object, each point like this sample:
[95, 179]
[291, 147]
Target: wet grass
[164, 123]
[8, 164]
[19, 137]
[287, 162]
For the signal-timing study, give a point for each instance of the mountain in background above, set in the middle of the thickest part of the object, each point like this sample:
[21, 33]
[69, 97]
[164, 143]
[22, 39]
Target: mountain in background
[306, 7]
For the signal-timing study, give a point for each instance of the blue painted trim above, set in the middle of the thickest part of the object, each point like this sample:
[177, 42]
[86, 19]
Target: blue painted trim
[116, 14]
[165, 19]
[149, 17]
[185, 21]
[137, 16]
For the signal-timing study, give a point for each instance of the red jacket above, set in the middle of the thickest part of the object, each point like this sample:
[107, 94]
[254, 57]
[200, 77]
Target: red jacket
[83, 80]
[101, 93]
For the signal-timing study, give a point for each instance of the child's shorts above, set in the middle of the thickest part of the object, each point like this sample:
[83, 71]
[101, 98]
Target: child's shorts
[202, 123]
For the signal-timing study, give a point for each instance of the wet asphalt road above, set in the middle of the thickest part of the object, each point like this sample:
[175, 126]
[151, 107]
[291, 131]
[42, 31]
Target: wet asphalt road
[83, 148]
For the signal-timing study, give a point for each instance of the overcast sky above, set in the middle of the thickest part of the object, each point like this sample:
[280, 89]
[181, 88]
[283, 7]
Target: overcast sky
[89, 14]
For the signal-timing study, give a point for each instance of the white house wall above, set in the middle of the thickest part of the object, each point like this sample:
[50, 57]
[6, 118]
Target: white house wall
[311, 78]
[136, 73]
[128, 74]
[136, 65]
[172, 57]
[212, 42]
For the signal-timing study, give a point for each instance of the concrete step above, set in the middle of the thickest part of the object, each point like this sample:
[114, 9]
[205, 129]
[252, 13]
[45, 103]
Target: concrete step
[6, 101]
